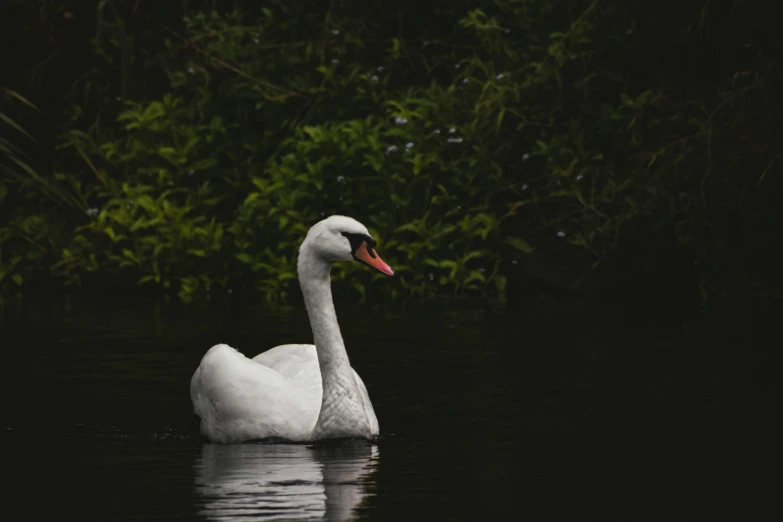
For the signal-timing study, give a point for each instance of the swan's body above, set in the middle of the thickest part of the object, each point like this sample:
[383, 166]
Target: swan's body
[277, 393]
[295, 391]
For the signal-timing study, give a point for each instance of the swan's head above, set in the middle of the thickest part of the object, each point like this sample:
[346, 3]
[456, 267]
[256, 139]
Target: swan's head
[340, 238]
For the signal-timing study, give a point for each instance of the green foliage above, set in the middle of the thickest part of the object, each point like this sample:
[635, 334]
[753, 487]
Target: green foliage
[200, 158]
[30, 202]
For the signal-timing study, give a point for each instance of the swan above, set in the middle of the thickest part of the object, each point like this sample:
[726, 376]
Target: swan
[299, 392]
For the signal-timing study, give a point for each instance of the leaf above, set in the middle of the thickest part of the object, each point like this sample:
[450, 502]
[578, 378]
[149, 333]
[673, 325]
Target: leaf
[22, 99]
[13, 124]
[476, 254]
[500, 282]
[475, 275]
[203, 164]
[130, 255]
[451, 265]
[112, 235]
[520, 244]
[499, 121]
[153, 111]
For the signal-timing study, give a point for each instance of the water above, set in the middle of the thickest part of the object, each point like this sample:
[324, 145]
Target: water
[485, 414]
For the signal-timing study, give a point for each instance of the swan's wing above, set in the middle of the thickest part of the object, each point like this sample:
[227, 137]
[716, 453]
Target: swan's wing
[293, 361]
[230, 383]
[240, 399]
[367, 404]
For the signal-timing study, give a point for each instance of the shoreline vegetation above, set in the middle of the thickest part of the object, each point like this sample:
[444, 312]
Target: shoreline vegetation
[613, 147]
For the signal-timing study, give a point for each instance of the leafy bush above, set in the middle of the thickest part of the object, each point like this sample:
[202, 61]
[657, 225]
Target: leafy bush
[205, 155]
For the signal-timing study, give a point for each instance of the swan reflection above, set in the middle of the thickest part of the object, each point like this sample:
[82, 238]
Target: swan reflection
[281, 482]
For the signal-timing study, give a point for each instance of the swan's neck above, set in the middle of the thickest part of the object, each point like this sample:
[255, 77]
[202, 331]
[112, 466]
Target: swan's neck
[342, 412]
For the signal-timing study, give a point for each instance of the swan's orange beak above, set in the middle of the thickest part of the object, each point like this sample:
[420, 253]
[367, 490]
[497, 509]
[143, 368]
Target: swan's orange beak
[365, 254]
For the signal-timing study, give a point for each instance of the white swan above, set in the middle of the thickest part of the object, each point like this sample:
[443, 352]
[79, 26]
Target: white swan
[298, 392]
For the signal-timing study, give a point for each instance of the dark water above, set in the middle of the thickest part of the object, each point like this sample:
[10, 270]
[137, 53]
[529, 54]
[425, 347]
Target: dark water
[565, 414]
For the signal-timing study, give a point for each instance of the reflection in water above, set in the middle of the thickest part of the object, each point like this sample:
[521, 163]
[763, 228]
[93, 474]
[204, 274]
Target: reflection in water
[279, 482]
